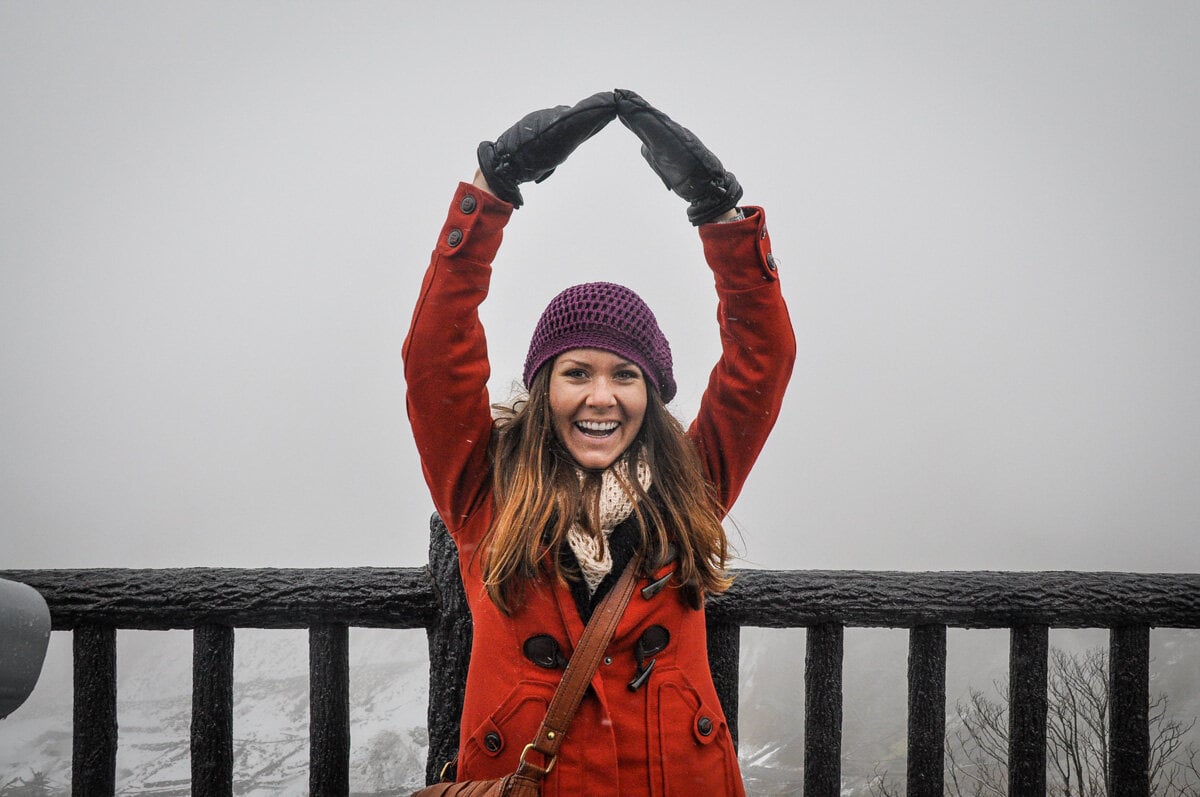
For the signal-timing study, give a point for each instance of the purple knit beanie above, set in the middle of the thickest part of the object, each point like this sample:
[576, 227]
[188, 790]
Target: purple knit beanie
[603, 315]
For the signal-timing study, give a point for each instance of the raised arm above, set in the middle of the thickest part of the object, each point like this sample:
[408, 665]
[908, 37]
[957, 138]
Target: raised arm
[758, 347]
[445, 353]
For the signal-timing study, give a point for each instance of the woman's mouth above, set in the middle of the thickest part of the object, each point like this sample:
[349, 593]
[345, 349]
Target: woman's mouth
[597, 428]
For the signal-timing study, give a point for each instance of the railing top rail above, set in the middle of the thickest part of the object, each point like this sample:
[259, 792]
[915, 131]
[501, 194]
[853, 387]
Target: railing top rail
[157, 599]
[160, 599]
[961, 599]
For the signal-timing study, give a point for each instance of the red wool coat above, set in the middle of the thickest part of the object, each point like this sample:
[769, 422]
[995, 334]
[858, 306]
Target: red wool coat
[668, 737]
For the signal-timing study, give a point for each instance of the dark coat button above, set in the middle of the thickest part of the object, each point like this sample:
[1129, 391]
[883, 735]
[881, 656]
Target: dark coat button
[468, 204]
[650, 590]
[543, 651]
[492, 741]
[705, 726]
[455, 237]
[642, 676]
[652, 641]
[771, 264]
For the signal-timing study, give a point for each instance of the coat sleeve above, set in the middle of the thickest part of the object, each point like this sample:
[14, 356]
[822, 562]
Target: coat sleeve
[445, 356]
[758, 350]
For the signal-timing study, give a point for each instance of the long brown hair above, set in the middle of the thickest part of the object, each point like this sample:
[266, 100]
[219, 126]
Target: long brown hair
[539, 497]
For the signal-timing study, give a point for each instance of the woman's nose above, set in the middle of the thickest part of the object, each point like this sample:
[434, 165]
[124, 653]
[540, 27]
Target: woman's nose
[601, 394]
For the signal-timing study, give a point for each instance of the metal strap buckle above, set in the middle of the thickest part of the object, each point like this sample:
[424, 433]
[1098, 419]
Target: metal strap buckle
[539, 771]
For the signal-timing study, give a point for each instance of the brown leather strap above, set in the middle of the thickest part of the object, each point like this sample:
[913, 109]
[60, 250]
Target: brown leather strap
[580, 670]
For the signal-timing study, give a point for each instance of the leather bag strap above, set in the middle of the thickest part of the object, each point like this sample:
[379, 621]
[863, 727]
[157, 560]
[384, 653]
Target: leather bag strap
[578, 675]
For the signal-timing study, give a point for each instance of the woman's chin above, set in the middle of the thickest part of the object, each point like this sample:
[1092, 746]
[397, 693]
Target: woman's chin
[594, 457]
[594, 462]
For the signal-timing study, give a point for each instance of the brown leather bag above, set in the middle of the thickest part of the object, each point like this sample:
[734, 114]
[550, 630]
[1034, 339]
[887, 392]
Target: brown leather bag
[508, 786]
[527, 780]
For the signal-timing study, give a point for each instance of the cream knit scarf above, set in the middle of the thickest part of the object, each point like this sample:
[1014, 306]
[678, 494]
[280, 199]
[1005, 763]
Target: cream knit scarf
[616, 504]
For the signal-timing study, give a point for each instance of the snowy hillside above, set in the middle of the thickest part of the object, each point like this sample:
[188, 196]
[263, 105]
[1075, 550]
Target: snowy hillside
[388, 689]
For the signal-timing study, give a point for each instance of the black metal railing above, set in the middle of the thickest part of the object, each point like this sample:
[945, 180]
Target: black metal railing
[213, 601]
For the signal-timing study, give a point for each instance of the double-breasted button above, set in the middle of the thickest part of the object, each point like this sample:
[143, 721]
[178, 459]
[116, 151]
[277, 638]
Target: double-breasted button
[643, 675]
[652, 589]
[468, 204]
[543, 651]
[492, 741]
[705, 726]
[455, 237]
[771, 262]
[653, 640]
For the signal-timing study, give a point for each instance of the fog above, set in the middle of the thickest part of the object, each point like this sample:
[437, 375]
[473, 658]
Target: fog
[214, 218]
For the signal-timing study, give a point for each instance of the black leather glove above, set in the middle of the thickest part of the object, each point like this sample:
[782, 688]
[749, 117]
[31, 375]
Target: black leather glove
[686, 166]
[533, 147]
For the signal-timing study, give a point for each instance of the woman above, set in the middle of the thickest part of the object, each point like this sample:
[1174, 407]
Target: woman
[549, 501]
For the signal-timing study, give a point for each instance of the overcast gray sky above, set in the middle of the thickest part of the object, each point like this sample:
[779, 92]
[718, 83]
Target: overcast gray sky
[214, 218]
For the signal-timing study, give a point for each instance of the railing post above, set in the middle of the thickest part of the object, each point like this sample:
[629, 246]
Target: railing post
[926, 710]
[449, 650]
[1129, 724]
[724, 648]
[212, 711]
[1028, 655]
[823, 710]
[329, 710]
[94, 749]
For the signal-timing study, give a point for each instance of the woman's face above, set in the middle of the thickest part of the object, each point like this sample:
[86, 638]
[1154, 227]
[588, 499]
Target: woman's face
[597, 403]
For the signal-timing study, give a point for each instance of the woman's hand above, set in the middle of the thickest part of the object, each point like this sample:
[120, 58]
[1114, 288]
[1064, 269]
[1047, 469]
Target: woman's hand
[685, 165]
[534, 147]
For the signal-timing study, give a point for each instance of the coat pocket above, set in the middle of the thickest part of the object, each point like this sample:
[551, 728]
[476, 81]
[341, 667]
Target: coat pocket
[494, 748]
[695, 753]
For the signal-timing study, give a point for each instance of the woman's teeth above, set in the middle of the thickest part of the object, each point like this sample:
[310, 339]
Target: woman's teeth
[596, 428]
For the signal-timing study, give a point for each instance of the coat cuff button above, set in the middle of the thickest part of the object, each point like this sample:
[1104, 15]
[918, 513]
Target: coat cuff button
[455, 237]
[468, 204]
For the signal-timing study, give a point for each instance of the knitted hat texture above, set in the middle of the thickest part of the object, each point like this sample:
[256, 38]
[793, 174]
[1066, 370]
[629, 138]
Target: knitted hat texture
[603, 315]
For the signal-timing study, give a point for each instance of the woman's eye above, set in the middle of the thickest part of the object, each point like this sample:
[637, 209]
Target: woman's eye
[628, 376]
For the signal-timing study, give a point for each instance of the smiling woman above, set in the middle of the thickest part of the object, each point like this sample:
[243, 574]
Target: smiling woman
[597, 401]
[589, 480]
